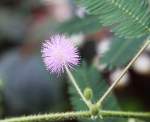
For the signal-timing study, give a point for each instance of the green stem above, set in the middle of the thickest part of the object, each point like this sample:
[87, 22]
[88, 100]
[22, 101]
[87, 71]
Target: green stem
[125, 114]
[75, 115]
[145, 45]
[72, 79]
[49, 117]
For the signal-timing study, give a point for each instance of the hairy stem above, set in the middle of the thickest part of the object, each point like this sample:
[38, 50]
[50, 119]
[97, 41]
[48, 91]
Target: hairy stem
[72, 79]
[145, 45]
[75, 115]
[49, 117]
[127, 114]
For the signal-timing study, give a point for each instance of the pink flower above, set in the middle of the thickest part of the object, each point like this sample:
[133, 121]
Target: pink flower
[59, 52]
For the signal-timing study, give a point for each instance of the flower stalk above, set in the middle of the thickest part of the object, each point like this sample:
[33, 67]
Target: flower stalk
[72, 79]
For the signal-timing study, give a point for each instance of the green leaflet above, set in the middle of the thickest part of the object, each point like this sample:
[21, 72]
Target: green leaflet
[90, 77]
[121, 52]
[128, 18]
[88, 24]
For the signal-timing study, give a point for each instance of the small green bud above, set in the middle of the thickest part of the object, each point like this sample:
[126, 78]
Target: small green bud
[88, 93]
[94, 109]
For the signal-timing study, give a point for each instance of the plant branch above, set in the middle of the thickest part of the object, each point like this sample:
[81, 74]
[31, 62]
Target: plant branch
[72, 79]
[75, 115]
[126, 114]
[49, 117]
[145, 45]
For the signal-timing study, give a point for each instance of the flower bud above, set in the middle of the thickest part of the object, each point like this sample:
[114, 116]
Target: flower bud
[88, 93]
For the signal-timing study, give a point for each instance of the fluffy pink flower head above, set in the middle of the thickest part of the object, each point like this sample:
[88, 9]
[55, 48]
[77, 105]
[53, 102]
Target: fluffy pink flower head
[59, 52]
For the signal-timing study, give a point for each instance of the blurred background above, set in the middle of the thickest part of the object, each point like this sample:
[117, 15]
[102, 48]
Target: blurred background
[25, 85]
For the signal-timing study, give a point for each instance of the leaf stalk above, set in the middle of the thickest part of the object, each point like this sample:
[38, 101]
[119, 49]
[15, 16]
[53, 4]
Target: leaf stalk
[145, 45]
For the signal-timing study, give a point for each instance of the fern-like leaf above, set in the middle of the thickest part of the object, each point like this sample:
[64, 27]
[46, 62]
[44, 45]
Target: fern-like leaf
[121, 52]
[128, 18]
